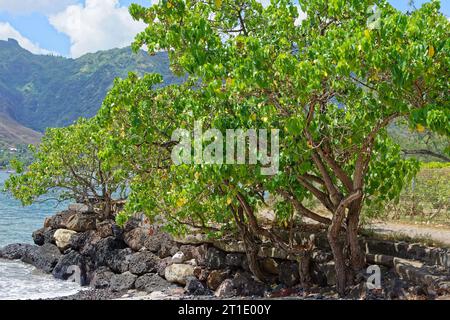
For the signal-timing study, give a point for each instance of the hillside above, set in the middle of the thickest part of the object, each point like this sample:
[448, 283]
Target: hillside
[39, 91]
[12, 133]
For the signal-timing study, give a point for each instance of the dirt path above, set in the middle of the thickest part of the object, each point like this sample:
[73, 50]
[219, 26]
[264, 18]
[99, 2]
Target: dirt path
[441, 234]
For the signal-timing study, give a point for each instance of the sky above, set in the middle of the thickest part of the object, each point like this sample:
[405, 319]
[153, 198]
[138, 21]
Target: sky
[72, 28]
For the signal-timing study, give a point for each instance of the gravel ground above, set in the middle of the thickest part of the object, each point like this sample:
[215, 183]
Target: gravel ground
[91, 294]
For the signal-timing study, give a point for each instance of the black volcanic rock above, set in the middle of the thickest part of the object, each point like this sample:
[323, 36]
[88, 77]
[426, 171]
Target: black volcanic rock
[71, 266]
[143, 262]
[44, 258]
[15, 251]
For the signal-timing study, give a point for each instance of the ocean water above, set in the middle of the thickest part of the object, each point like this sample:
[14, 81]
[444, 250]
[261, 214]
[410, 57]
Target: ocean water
[18, 280]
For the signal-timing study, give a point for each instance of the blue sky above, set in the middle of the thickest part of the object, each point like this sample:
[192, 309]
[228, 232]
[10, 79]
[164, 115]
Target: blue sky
[74, 27]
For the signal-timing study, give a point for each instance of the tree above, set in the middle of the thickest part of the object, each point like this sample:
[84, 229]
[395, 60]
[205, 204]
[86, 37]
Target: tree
[67, 167]
[333, 83]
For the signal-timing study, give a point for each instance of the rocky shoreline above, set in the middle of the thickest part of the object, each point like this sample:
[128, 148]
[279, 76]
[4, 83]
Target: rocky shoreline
[140, 261]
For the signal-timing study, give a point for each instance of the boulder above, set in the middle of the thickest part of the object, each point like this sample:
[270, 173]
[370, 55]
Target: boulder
[49, 236]
[246, 285]
[122, 282]
[135, 238]
[105, 228]
[158, 240]
[101, 278]
[143, 262]
[178, 273]
[318, 276]
[71, 266]
[117, 231]
[179, 257]
[119, 260]
[162, 265]
[81, 222]
[188, 251]
[132, 223]
[195, 287]
[329, 271]
[242, 284]
[151, 282]
[215, 259]
[59, 220]
[167, 250]
[201, 274]
[48, 222]
[235, 260]
[103, 251]
[83, 241]
[15, 251]
[199, 254]
[62, 238]
[321, 256]
[215, 278]
[44, 258]
[288, 273]
[226, 289]
[192, 262]
[269, 265]
[38, 237]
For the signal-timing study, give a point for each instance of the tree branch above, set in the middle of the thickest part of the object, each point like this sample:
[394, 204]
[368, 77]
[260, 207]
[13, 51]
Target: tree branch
[425, 152]
[303, 210]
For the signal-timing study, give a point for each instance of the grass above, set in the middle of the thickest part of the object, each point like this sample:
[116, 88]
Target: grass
[426, 200]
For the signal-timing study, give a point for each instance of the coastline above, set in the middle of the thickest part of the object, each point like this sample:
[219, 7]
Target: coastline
[141, 262]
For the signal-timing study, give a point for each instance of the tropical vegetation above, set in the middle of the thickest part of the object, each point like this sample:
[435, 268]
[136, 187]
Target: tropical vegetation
[331, 84]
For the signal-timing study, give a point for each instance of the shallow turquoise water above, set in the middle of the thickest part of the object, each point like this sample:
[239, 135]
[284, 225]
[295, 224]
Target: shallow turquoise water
[18, 222]
[18, 280]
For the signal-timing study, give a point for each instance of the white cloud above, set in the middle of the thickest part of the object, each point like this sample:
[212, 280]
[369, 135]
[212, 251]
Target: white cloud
[7, 31]
[97, 25]
[27, 6]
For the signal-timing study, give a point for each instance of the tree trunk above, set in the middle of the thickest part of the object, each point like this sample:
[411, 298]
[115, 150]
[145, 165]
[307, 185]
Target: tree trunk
[338, 251]
[251, 250]
[357, 256]
[339, 261]
[108, 212]
[107, 209]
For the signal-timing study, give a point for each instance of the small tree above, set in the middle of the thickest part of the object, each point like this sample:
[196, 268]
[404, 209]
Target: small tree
[67, 167]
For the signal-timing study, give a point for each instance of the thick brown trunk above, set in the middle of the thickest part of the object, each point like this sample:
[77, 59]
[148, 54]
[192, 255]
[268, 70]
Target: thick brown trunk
[339, 263]
[357, 257]
[107, 209]
[338, 251]
[251, 250]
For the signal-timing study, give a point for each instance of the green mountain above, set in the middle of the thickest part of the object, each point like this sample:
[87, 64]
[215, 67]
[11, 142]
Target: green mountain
[40, 91]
